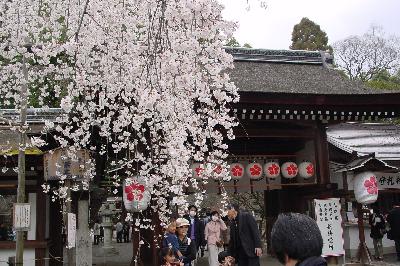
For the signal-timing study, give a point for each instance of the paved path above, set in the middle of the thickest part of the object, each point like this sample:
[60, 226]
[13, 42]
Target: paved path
[125, 250]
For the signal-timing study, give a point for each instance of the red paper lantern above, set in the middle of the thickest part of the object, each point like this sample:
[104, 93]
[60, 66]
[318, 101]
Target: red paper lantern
[236, 171]
[272, 170]
[289, 170]
[306, 170]
[254, 170]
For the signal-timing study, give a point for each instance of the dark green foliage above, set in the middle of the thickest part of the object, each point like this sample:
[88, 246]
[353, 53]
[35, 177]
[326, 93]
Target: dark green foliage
[385, 81]
[232, 42]
[308, 35]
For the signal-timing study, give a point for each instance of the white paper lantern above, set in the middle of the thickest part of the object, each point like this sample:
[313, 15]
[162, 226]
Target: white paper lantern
[272, 170]
[236, 171]
[306, 170]
[254, 170]
[289, 170]
[136, 197]
[198, 171]
[366, 187]
[217, 171]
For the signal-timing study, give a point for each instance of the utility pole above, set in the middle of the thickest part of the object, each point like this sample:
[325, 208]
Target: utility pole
[19, 257]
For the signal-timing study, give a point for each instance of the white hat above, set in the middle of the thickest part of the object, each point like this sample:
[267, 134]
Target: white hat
[182, 222]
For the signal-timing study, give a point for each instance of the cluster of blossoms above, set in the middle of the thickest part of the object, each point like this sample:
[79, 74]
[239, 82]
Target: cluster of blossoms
[142, 81]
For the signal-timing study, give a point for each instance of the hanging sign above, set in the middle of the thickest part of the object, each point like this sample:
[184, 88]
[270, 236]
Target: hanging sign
[329, 221]
[22, 216]
[71, 226]
[388, 180]
[59, 163]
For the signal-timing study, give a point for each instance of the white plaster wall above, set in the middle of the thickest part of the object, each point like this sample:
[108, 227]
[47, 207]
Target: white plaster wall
[351, 241]
[29, 256]
[32, 231]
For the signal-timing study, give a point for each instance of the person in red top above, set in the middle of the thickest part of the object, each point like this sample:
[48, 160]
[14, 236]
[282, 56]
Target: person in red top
[212, 234]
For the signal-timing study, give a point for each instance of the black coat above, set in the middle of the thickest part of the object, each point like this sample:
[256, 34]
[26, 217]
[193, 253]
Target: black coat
[313, 261]
[377, 228]
[394, 221]
[249, 235]
[198, 230]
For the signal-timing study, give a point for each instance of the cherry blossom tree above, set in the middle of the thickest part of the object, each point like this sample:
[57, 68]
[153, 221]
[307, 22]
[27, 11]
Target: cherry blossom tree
[148, 76]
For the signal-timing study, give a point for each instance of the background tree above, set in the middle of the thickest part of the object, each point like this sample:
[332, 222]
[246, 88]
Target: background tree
[307, 35]
[232, 42]
[366, 57]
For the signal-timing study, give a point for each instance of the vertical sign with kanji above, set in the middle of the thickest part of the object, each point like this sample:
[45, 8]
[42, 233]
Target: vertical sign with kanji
[329, 220]
[71, 227]
[22, 216]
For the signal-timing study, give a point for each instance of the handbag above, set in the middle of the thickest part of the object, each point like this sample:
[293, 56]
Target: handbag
[219, 243]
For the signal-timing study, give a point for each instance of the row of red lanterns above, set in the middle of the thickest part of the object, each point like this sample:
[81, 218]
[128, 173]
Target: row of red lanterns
[256, 170]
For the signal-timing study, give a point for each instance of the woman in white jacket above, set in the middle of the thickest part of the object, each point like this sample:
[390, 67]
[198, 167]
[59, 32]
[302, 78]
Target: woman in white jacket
[212, 234]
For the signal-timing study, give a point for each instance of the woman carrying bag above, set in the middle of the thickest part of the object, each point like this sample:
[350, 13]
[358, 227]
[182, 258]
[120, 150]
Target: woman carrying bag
[212, 234]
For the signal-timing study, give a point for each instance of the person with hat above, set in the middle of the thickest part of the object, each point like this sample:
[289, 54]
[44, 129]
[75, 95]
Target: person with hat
[186, 246]
[212, 235]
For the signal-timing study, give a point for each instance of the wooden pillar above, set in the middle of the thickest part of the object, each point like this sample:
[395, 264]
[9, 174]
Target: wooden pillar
[40, 253]
[321, 154]
[55, 246]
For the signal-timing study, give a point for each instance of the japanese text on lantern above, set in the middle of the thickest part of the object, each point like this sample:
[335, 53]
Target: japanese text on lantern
[329, 220]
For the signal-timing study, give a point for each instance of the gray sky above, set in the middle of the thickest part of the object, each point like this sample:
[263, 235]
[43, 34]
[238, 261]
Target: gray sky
[272, 27]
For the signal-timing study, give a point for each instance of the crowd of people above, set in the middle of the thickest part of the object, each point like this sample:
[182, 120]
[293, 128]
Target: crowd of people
[385, 224]
[187, 235]
[234, 239]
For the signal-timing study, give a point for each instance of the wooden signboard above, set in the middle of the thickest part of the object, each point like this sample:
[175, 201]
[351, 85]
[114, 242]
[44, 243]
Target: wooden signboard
[329, 220]
[22, 216]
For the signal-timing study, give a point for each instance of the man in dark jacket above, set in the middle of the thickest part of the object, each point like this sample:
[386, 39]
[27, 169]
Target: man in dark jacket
[394, 221]
[297, 240]
[245, 240]
[196, 228]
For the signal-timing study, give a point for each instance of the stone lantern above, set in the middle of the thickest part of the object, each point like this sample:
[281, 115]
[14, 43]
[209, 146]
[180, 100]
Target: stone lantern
[107, 212]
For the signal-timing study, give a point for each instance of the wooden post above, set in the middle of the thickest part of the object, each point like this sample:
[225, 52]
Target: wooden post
[19, 253]
[363, 254]
[321, 154]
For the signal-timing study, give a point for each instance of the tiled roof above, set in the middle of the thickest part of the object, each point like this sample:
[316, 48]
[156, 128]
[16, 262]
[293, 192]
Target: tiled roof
[287, 71]
[366, 138]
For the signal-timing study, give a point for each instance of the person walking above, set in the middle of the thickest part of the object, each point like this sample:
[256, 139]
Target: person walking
[212, 234]
[393, 219]
[196, 227]
[297, 240]
[96, 232]
[186, 246]
[378, 227]
[119, 229]
[125, 232]
[245, 240]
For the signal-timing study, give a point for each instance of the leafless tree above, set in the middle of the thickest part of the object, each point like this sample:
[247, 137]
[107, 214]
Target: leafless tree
[362, 57]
